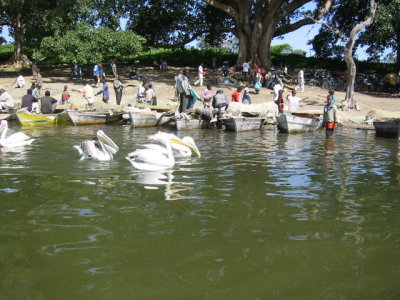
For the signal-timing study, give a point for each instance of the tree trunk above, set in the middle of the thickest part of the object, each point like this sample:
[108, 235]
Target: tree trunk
[398, 56]
[18, 59]
[351, 76]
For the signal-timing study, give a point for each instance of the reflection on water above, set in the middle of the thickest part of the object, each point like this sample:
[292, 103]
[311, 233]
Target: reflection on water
[260, 213]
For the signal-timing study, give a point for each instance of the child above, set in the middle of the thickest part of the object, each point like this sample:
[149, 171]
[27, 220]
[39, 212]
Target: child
[236, 95]
[246, 95]
[280, 101]
[65, 95]
[207, 96]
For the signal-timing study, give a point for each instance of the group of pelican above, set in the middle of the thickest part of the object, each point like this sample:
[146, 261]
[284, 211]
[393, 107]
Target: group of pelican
[160, 154]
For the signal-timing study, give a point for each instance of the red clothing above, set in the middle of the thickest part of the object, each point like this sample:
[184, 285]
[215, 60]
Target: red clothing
[235, 96]
[280, 104]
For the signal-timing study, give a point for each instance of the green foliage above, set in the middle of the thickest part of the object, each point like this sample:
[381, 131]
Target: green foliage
[6, 51]
[87, 44]
[186, 57]
[281, 49]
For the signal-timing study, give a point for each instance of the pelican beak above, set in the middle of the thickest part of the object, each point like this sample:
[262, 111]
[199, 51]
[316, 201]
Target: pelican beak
[194, 149]
[106, 140]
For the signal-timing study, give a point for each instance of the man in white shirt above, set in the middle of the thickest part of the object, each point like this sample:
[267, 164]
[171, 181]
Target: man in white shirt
[6, 101]
[277, 88]
[300, 80]
[246, 70]
[20, 81]
[199, 81]
[87, 92]
[293, 101]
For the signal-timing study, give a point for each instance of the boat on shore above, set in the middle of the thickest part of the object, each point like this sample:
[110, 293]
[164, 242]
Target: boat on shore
[237, 124]
[92, 118]
[387, 128]
[158, 108]
[26, 118]
[148, 118]
[299, 122]
[189, 124]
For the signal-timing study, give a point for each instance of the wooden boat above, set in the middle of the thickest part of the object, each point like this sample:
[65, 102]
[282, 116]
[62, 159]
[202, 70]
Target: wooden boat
[158, 108]
[387, 128]
[147, 118]
[26, 118]
[242, 123]
[299, 122]
[92, 118]
[188, 124]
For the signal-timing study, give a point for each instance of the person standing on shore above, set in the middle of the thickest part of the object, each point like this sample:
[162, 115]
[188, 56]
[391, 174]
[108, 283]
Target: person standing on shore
[246, 95]
[35, 70]
[330, 117]
[97, 73]
[183, 88]
[104, 90]
[118, 87]
[87, 92]
[246, 70]
[114, 67]
[39, 82]
[300, 80]
[199, 81]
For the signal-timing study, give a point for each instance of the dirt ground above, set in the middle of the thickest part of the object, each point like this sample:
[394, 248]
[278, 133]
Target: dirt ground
[314, 98]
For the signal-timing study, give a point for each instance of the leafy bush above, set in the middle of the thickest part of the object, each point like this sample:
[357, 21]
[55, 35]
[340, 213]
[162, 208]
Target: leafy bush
[87, 44]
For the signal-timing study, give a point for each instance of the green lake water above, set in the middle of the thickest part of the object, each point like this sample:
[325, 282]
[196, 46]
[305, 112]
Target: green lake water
[261, 215]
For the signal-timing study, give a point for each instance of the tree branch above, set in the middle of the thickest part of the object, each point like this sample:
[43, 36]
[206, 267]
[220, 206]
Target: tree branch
[225, 8]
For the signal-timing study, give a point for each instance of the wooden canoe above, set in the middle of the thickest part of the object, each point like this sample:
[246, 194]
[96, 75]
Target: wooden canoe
[158, 108]
[147, 119]
[26, 118]
[387, 128]
[288, 123]
[188, 124]
[237, 124]
[93, 118]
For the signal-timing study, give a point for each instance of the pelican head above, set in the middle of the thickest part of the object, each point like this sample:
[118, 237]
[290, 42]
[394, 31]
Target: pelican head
[108, 143]
[187, 142]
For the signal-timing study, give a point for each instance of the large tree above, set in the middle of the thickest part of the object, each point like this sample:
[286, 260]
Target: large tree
[257, 22]
[353, 27]
[31, 20]
[383, 34]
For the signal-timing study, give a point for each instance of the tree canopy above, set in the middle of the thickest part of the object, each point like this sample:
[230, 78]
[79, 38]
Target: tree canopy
[383, 34]
[87, 44]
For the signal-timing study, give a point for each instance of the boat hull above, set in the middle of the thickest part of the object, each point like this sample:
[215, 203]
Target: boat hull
[292, 123]
[93, 118]
[147, 119]
[389, 128]
[183, 124]
[243, 124]
[29, 119]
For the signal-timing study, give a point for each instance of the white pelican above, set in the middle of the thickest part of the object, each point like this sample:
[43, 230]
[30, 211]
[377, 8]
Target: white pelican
[184, 149]
[154, 159]
[101, 149]
[14, 140]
